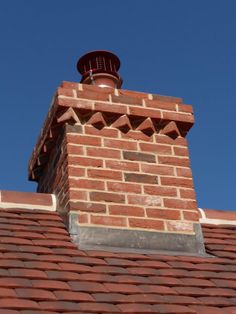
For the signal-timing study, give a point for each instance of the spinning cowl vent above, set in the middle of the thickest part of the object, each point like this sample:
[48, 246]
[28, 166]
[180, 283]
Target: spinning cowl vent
[100, 68]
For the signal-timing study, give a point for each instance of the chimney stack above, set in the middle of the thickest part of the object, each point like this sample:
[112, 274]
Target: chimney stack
[118, 162]
[100, 68]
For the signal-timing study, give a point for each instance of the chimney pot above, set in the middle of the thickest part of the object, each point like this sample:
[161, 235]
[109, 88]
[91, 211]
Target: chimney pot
[100, 68]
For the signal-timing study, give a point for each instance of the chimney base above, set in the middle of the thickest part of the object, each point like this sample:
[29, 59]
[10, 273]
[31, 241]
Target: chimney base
[120, 240]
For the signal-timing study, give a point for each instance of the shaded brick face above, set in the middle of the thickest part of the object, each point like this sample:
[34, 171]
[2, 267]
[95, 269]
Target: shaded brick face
[125, 160]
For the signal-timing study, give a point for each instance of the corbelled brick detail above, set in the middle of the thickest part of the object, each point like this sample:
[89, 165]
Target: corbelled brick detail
[118, 158]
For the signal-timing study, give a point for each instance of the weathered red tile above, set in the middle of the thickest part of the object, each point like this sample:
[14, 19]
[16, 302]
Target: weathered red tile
[62, 275]
[122, 288]
[216, 301]
[98, 307]
[7, 293]
[14, 282]
[173, 309]
[73, 296]
[136, 308]
[91, 287]
[27, 273]
[49, 284]
[18, 304]
[202, 309]
[157, 289]
[61, 306]
[35, 294]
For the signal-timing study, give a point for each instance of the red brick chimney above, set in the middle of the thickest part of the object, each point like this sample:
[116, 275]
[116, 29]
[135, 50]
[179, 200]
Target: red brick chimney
[118, 162]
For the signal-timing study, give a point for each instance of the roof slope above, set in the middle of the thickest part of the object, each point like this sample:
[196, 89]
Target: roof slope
[41, 271]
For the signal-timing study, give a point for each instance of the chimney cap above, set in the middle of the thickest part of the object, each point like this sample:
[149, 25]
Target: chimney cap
[100, 67]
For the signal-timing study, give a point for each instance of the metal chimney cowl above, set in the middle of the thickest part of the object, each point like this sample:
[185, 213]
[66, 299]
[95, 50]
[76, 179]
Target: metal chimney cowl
[100, 68]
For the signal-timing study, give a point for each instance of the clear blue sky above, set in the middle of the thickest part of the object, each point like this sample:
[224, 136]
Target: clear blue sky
[180, 48]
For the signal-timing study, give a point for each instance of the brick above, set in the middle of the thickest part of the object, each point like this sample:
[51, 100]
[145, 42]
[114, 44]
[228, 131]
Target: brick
[185, 108]
[122, 165]
[90, 207]
[105, 132]
[146, 200]
[83, 218]
[86, 184]
[68, 92]
[160, 104]
[36, 294]
[104, 107]
[124, 187]
[73, 296]
[139, 156]
[111, 143]
[69, 85]
[84, 161]
[178, 182]
[171, 116]
[75, 103]
[160, 191]
[163, 139]
[97, 89]
[163, 213]
[95, 95]
[193, 216]
[174, 161]
[156, 148]
[154, 169]
[125, 210]
[137, 135]
[179, 226]
[184, 172]
[104, 174]
[145, 112]
[103, 152]
[181, 204]
[75, 128]
[75, 150]
[141, 178]
[108, 221]
[125, 99]
[26, 198]
[83, 140]
[181, 151]
[146, 224]
[132, 93]
[107, 197]
[76, 171]
[78, 195]
[187, 193]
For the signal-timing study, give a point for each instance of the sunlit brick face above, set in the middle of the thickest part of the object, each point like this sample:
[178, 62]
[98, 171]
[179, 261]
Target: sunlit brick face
[123, 159]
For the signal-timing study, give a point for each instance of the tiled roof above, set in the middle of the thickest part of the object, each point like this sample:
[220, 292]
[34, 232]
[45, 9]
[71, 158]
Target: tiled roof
[41, 271]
